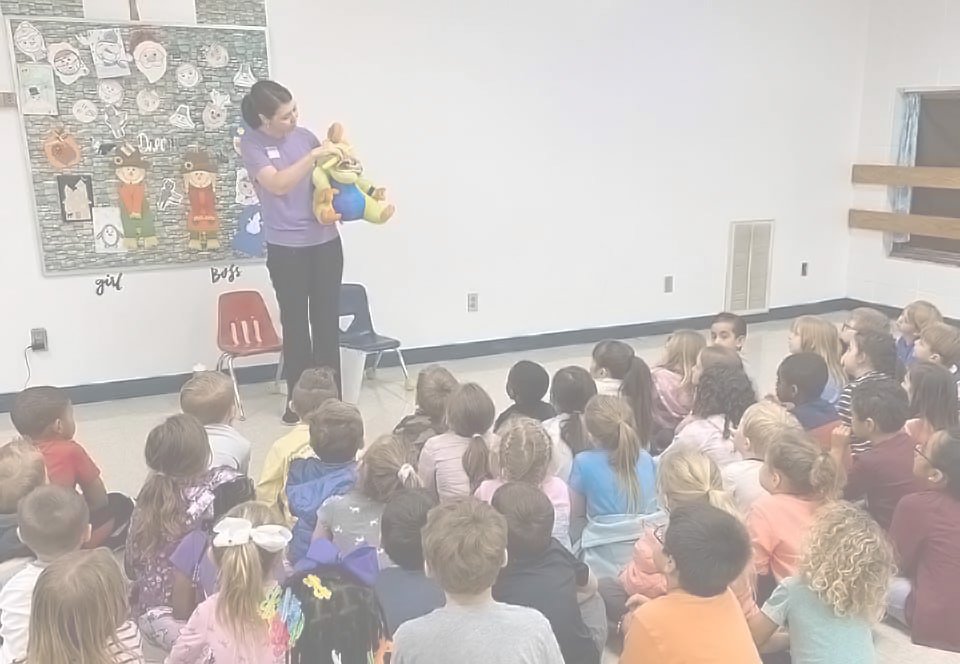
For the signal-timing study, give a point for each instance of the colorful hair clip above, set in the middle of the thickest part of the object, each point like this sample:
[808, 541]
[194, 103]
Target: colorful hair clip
[320, 591]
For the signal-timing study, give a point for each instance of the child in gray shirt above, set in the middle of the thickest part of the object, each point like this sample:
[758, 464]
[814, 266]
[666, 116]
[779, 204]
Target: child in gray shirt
[464, 546]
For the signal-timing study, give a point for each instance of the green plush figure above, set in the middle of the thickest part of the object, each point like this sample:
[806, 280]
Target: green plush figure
[341, 193]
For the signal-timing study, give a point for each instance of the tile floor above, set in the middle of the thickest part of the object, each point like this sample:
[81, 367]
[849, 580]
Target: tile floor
[114, 432]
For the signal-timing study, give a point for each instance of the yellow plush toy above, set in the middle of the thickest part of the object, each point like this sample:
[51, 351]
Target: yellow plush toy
[341, 192]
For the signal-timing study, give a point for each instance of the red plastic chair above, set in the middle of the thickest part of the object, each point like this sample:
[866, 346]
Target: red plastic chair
[244, 329]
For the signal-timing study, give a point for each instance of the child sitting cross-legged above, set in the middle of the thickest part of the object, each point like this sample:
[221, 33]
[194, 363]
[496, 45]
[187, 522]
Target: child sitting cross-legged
[80, 613]
[837, 595]
[231, 625]
[336, 435]
[800, 381]
[704, 550]
[882, 474]
[21, 471]
[761, 425]
[571, 390]
[208, 396]
[926, 596]
[683, 478]
[524, 456]
[465, 545]
[53, 521]
[543, 574]
[527, 384]
[177, 497]
[352, 519]
[404, 589]
[314, 388]
[44, 415]
[933, 400]
[435, 384]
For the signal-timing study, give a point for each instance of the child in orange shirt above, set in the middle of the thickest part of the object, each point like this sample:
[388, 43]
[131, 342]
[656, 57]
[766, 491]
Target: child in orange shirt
[799, 477]
[704, 550]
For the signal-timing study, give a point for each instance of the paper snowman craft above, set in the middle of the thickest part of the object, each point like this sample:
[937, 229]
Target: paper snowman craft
[136, 217]
[199, 182]
[249, 239]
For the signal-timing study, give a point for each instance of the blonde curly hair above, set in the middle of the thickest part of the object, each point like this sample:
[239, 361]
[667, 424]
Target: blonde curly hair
[848, 562]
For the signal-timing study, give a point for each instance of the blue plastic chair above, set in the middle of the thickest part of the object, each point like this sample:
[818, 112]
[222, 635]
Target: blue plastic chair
[360, 335]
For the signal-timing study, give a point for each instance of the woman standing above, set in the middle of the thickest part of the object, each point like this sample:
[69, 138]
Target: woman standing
[304, 258]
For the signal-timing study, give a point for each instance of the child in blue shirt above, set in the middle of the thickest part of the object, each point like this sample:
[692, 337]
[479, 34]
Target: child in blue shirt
[336, 435]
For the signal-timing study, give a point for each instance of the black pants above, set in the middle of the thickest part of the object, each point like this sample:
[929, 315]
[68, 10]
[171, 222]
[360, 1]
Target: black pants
[307, 283]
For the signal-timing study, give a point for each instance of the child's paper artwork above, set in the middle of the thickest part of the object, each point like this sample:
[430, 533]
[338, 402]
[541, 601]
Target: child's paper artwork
[110, 91]
[181, 118]
[84, 111]
[148, 101]
[214, 114]
[66, 62]
[76, 197]
[215, 55]
[151, 59]
[116, 121]
[245, 193]
[38, 92]
[249, 238]
[244, 77]
[188, 76]
[107, 236]
[110, 57]
[29, 40]
[169, 196]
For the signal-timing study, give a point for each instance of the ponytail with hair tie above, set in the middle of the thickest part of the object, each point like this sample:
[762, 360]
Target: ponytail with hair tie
[405, 472]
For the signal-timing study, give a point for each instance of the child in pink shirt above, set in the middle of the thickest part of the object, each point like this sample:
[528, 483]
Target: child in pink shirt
[800, 477]
[524, 455]
[235, 625]
[673, 378]
[683, 478]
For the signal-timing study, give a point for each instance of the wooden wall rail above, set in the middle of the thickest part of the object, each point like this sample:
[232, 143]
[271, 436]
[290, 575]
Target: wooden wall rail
[890, 222]
[907, 176]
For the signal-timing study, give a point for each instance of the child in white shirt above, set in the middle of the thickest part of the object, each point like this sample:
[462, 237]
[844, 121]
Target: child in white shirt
[208, 396]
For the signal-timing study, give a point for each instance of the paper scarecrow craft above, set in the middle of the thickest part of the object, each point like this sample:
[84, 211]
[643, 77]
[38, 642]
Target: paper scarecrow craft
[199, 181]
[135, 215]
[341, 192]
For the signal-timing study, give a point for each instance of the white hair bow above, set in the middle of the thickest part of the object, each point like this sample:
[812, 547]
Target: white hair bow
[233, 531]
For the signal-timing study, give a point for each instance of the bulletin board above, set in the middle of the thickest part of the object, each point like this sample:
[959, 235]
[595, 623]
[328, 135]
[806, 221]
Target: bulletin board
[132, 133]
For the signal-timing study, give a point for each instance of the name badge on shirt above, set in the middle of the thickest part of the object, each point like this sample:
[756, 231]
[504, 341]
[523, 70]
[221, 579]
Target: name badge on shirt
[273, 153]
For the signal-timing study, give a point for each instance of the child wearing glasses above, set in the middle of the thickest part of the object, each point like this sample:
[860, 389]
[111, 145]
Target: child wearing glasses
[924, 532]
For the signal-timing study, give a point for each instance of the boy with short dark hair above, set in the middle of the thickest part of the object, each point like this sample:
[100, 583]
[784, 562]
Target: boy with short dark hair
[699, 619]
[21, 471]
[53, 521]
[728, 330]
[869, 356]
[315, 387]
[405, 591]
[540, 572]
[44, 415]
[800, 381]
[465, 545]
[208, 396]
[882, 474]
[336, 435]
[527, 384]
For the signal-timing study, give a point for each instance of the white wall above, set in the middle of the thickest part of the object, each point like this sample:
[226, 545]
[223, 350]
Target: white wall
[557, 158]
[912, 44]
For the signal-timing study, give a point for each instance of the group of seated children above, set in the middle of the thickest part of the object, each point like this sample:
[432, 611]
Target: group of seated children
[632, 505]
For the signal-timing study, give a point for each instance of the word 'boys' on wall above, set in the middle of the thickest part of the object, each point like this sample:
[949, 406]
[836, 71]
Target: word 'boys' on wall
[132, 135]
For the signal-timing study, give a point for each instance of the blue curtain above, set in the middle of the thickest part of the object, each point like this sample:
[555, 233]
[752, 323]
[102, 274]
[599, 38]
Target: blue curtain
[906, 156]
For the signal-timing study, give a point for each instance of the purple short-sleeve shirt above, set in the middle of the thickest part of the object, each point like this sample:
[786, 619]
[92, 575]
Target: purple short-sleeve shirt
[288, 219]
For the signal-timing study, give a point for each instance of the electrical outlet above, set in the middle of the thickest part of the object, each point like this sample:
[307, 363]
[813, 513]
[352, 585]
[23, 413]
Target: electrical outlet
[803, 269]
[38, 338]
[668, 284]
[473, 303]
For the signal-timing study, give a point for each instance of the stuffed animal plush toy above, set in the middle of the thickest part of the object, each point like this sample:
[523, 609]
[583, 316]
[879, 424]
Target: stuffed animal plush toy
[341, 193]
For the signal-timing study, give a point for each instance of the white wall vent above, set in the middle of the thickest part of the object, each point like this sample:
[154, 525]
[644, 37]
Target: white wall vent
[748, 266]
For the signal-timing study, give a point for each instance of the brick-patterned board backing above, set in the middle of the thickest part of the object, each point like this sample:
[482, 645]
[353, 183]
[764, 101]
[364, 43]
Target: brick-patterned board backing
[35, 8]
[231, 12]
[69, 247]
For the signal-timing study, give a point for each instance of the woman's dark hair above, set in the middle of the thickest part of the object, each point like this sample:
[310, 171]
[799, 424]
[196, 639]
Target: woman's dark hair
[572, 388]
[620, 360]
[724, 391]
[349, 622]
[263, 100]
[933, 395]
